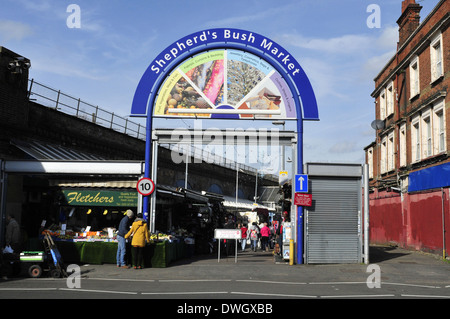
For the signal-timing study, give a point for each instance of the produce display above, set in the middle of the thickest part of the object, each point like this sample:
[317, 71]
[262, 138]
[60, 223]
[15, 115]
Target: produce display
[106, 235]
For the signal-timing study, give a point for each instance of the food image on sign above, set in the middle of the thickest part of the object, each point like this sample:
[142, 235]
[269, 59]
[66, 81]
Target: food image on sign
[225, 84]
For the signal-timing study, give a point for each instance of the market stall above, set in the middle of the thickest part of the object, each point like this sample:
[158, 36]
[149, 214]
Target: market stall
[85, 228]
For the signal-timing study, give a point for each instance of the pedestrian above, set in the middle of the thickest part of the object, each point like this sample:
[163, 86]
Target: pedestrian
[265, 234]
[243, 236]
[253, 233]
[13, 237]
[124, 226]
[140, 236]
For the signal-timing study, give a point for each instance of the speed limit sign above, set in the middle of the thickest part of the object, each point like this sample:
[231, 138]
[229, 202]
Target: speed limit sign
[145, 186]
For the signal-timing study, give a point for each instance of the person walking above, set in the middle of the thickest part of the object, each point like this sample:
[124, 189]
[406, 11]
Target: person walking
[253, 233]
[243, 236]
[265, 234]
[140, 236]
[124, 226]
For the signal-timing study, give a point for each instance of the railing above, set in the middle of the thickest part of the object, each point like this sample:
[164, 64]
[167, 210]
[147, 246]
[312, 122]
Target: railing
[67, 104]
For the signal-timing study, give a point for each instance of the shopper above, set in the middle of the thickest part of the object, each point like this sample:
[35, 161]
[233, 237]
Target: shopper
[124, 226]
[265, 234]
[253, 233]
[13, 237]
[243, 236]
[139, 232]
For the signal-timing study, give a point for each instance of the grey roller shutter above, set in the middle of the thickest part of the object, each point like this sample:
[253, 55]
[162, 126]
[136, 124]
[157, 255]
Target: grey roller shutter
[333, 223]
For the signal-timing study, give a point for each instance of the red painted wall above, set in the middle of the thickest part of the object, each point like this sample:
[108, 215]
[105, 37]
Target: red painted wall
[414, 222]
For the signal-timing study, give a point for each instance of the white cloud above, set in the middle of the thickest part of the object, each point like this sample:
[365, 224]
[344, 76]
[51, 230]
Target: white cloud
[13, 30]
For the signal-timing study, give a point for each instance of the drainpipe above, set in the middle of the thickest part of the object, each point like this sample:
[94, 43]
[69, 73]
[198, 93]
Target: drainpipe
[443, 223]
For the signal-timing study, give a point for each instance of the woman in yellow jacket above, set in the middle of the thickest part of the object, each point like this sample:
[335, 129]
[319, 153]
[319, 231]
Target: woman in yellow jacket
[139, 232]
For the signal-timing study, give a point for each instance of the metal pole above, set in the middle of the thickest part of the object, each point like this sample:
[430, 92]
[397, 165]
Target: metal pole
[186, 170]
[154, 178]
[256, 185]
[237, 178]
[366, 214]
[299, 216]
[148, 159]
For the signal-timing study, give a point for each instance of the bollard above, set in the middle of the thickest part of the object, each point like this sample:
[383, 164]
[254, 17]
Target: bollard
[291, 252]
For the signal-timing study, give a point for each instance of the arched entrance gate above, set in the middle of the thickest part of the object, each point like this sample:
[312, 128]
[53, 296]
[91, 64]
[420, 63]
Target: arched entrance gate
[226, 74]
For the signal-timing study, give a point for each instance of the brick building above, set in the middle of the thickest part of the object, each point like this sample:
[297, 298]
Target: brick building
[409, 162]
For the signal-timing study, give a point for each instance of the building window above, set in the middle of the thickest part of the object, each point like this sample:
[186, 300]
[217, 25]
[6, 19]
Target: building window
[402, 141]
[437, 67]
[428, 132]
[370, 161]
[415, 139]
[390, 152]
[390, 99]
[414, 77]
[383, 155]
[383, 105]
[428, 139]
[439, 128]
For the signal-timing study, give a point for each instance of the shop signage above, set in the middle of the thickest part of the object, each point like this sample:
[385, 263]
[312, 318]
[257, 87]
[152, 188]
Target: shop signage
[225, 73]
[301, 199]
[110, 198]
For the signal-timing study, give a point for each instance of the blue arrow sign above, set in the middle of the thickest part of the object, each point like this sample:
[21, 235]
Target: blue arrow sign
[301, 183]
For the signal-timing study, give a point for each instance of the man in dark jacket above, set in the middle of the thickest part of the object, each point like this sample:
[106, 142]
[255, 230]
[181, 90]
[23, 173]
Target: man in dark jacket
[123, 230]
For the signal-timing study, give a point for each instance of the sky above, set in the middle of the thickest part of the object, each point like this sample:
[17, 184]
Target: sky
[102, 61]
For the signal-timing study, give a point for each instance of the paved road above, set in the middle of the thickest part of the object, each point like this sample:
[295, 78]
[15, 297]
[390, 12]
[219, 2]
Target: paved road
[256, 276]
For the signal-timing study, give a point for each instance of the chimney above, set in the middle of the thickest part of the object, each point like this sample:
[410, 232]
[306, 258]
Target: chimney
[409, 20]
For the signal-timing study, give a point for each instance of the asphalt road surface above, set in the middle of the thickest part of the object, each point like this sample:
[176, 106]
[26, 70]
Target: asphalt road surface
[254, 280]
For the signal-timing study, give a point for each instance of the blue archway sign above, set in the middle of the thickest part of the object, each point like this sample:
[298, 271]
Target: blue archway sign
[265, 57]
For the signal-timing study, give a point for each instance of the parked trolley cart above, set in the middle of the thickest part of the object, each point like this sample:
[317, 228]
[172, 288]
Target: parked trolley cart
[48, 260]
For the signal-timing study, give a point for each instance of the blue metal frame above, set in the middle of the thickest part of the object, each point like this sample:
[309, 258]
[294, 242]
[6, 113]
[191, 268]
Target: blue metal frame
[150, 84]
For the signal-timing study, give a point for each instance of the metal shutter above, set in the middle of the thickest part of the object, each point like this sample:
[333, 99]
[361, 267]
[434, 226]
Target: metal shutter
[333, 225]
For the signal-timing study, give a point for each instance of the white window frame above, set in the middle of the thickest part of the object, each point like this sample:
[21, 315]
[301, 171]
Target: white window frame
[383, 104]
[370, 161]
[402, 141]
[383, 155]
[415, 139]
[439, 128]
[436, 57]
[427, 133]
[390, 156]
[414, 78]
[390, 99]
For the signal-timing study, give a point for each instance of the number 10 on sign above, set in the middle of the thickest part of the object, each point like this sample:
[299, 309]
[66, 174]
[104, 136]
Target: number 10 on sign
[145, 186]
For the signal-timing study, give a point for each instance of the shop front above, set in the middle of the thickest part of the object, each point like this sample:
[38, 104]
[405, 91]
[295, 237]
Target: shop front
[80, 207]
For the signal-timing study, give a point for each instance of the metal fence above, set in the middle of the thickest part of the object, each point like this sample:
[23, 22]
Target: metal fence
[67, 104]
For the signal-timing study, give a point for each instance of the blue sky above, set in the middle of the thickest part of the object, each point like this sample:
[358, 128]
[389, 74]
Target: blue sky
[102, 61]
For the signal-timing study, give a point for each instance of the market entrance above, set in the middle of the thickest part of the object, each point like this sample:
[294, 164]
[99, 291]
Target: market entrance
[225, 74]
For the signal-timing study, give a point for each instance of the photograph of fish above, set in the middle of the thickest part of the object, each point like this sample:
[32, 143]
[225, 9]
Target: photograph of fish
[209, 78]
[241, 79]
